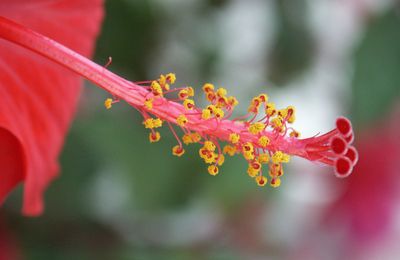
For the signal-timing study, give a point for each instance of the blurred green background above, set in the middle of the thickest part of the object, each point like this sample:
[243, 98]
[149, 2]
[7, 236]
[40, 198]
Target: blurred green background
[119, 197]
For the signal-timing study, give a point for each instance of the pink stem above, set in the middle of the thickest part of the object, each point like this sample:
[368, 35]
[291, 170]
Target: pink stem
[132, 93]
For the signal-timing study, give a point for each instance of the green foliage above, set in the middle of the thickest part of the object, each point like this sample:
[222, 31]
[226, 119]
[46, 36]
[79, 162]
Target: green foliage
[129, 34]
[292, 49]
[376, 82]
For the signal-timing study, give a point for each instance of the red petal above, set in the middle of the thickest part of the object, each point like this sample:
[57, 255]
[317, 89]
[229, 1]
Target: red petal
[38, 97]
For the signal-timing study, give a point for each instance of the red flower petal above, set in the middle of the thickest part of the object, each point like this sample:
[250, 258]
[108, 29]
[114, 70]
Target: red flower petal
[38, 97]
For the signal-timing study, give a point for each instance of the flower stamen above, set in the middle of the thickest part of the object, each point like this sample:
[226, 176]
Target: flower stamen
[333, 148]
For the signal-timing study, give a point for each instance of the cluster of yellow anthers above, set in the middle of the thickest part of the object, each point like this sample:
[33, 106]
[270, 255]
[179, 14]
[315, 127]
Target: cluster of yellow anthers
[255, 138]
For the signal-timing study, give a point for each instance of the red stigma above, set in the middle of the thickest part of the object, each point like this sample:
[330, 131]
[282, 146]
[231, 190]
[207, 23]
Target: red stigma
[338, 145]
[343, 167]
[344, 126]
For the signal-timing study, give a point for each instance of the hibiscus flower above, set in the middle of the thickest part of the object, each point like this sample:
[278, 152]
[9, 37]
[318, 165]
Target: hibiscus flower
[264, 136]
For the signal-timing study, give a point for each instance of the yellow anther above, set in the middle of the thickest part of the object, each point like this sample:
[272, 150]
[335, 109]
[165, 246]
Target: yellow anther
[213, 170]
[206, 114]
[220, 159]
[263, 141]
[148, 123]
[162, 80]
[187, 139]
[263, 98]
[181, 120]
[108, 103]
[156, 89]
[282, 113]
[178, 150]
[252, 172]
[190, 91]
[277, 157]
[254, 105]
[263, 158]
[195, 137]
[261, 180]
[275, 170]
[188, 104]
[294, 134]
[210, 96]
[285, 158]
[248, 147]
[183, 94]
[232, 101]
[280, 157]
[256, 128]
[248, 155]
[291, 114]
[210, 157]
[212, 108]
[234, 138]
[277, 123]
[155, 85]
[222, 102]
[219, 113]
[148, 103]
[228, 149]
[209, 146]
[208, 87]
[154, 137]
[221, 92]
[157, 122]
[171, 78]
[270, 109]
[275, 182]
[203, 152]
[256, 101]
[186, 92]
